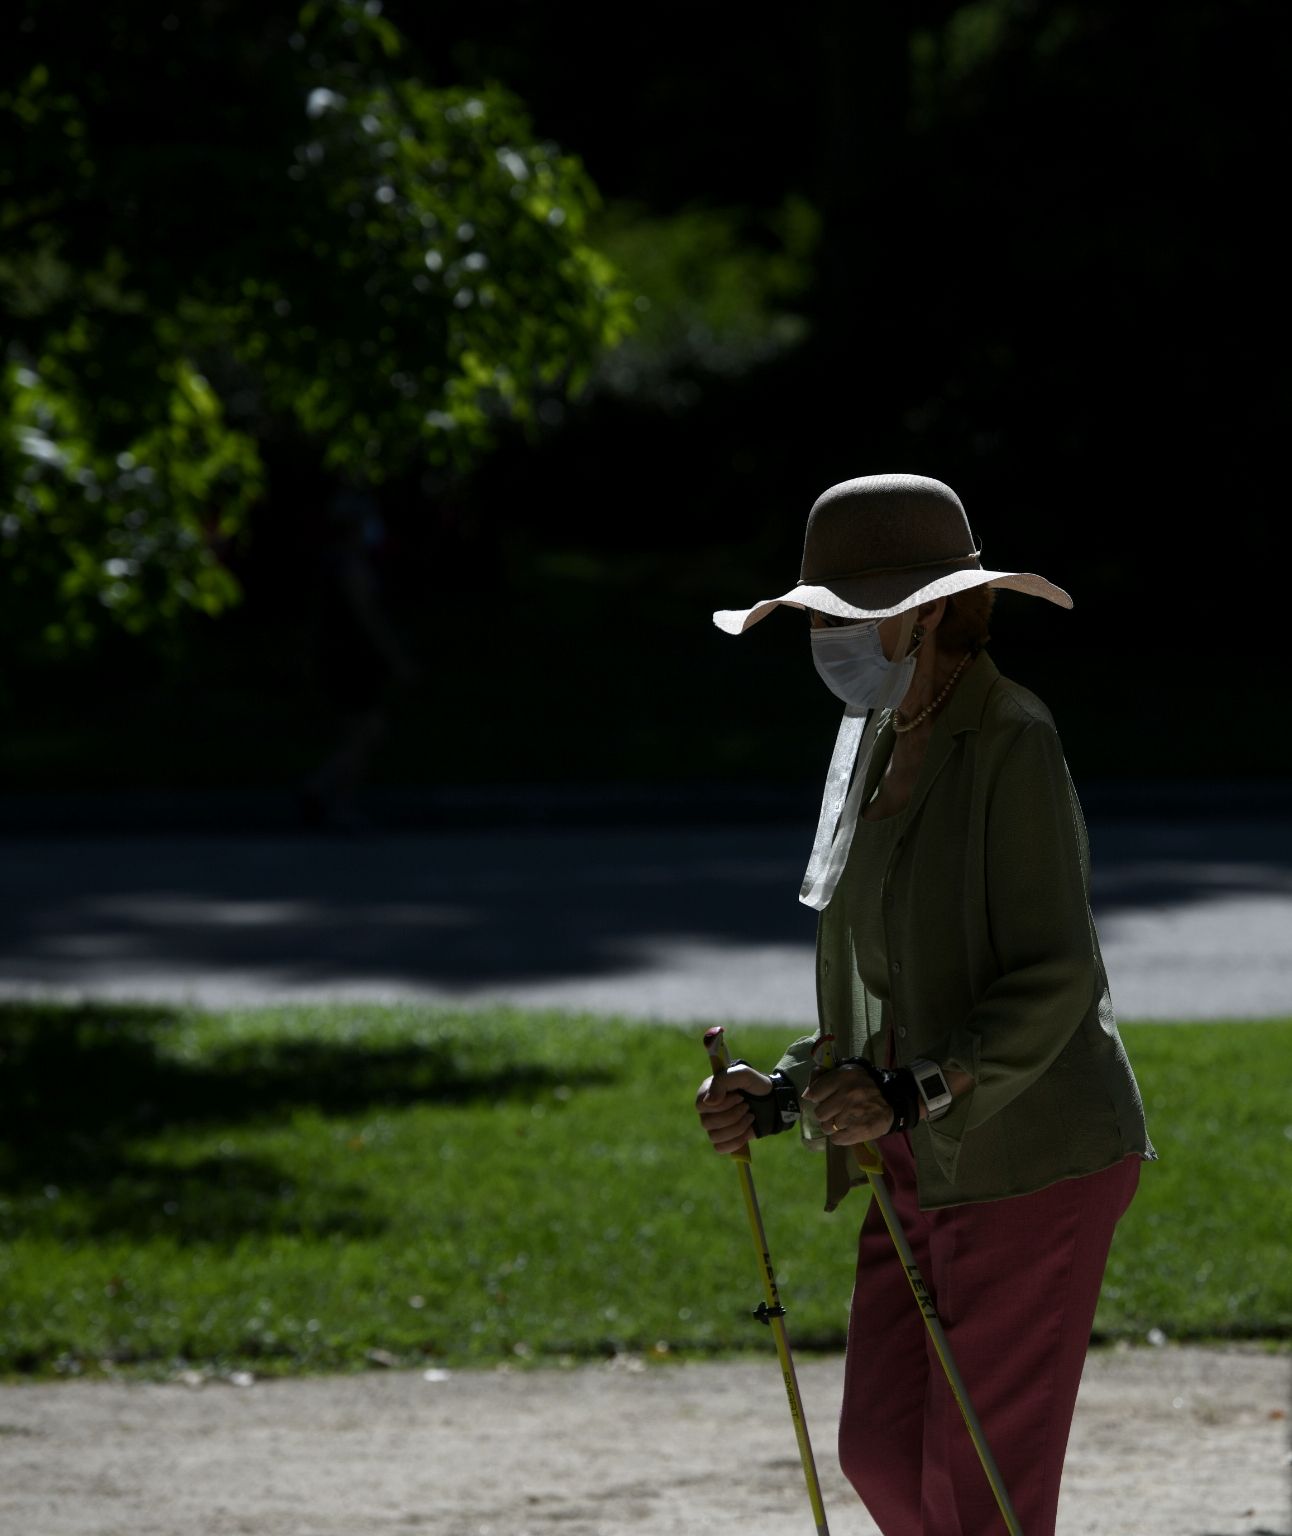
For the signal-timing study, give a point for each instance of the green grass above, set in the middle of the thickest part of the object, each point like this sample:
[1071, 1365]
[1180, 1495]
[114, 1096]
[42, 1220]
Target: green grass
[285, 1190]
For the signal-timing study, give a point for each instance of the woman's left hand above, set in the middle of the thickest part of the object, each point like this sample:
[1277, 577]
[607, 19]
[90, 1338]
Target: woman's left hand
[849, 1106]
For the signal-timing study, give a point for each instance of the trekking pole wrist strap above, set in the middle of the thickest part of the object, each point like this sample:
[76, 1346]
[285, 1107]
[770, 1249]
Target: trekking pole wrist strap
[776, 1111]
[899, 1089]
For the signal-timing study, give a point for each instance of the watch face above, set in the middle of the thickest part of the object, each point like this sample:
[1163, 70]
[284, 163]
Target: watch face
[934, 1085]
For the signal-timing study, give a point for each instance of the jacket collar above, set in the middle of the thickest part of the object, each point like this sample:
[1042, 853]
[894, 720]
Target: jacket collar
[964, 712]
[968, 698]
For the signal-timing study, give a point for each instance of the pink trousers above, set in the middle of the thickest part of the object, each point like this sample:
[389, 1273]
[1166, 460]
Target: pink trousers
[1016, 1282]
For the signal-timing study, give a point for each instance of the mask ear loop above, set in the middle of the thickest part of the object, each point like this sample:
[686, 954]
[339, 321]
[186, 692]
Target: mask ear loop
[902, 651]
[841, 803]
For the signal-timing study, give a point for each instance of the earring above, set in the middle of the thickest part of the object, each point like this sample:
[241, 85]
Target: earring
[917, 634]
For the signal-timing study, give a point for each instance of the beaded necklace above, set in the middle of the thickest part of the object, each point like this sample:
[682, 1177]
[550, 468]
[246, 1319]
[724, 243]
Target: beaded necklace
[928, 709]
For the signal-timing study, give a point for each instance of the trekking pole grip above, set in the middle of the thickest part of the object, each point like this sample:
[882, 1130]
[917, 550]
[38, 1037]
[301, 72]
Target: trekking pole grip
[715, 1043]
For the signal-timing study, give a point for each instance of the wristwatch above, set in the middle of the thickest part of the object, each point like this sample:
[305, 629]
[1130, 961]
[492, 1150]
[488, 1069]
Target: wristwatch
[932, 1088]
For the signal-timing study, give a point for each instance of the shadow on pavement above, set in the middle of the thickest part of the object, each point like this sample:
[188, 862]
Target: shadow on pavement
[460, 911]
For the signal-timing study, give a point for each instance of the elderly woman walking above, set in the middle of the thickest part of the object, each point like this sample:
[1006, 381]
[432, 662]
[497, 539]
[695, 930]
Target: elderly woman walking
[960, 976]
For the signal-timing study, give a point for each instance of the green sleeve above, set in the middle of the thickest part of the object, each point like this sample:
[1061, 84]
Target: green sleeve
[796, 1063]
[1041, 934]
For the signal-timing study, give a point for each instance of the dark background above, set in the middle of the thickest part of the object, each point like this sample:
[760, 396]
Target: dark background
[1049, 272]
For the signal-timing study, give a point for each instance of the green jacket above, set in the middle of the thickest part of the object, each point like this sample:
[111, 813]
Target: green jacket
[994, 963]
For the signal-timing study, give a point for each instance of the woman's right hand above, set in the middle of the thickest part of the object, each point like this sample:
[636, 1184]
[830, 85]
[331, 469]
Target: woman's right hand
[727, 1120]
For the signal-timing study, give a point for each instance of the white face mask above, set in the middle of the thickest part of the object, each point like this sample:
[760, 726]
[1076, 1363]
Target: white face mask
[853, 667]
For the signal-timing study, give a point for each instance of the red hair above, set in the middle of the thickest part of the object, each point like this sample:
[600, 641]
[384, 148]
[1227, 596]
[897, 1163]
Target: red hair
[965, 622]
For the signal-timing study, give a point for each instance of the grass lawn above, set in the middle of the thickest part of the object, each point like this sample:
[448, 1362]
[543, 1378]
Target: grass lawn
[285, 1190]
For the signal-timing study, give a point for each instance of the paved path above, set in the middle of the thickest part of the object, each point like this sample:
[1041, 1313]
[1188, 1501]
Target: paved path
[669, 923]
[1169, 1442]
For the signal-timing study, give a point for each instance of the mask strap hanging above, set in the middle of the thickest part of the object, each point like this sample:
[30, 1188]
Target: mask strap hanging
[839, 809]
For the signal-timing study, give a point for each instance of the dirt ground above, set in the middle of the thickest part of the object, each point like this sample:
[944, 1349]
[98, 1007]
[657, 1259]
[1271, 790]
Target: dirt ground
[1167, 1442]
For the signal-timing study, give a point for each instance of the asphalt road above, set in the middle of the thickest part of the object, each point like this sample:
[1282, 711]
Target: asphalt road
[687, 923]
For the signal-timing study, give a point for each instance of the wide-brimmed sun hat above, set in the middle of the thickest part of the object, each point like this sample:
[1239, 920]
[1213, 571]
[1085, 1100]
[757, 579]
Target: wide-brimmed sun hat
[882, 544]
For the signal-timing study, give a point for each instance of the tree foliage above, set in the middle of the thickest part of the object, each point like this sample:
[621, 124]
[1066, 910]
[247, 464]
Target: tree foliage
[718, 293]
[226, 225]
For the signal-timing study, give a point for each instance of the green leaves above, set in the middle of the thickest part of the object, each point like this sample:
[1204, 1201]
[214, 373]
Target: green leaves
[219, 234]
[716, 292]
[134, 536]
[469, 288]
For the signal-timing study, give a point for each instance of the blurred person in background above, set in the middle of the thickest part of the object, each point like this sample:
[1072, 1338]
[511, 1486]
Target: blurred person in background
[960, 976]
[359, 659]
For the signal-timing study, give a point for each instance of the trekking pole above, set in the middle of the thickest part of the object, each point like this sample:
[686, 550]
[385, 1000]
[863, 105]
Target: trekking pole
[872, 1165]
[770, 1311]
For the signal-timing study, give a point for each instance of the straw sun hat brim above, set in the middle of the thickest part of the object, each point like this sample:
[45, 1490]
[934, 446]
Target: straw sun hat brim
[884, 594]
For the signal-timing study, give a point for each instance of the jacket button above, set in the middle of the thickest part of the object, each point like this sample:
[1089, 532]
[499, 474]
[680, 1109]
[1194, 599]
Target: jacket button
[901, 1030]
[897, 965]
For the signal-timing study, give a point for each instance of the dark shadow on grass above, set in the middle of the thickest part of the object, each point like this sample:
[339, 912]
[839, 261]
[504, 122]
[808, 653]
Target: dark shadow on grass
[81, 1086]
[216, 1201]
